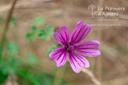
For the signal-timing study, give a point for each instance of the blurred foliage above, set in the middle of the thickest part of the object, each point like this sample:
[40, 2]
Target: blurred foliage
[50, 30]
[33, 28]
[40, 33]
[9, 66]
[39, 21]
[13, 21]
[28, 77]
[0, 49]
[26, 73]
[47, 79]
[38, 78]
[31, 59]
[52, 48]
[13, 65]
[3, 75]
[30, 37]
[12, 48]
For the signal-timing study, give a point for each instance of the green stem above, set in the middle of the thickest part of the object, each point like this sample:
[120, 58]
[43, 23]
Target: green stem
[59, 76]
[7, 27]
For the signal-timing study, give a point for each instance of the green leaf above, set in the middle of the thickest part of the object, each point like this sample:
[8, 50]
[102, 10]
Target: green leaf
[48, 79]
[28, 76]
[50, 29]
[33, 29]
[13, 21]
[8, 70]
[32, 59]
[14, 63]
[12, 48]
[3, 76]
[0, 50]
[45, 79]
[51, 49]
[30, 36]
[9, 66]
[47, 37]
[42, 33]
[39, 21]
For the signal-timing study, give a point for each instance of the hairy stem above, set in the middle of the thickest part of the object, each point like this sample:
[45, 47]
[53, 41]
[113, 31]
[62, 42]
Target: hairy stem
[7, 27]
[91, 75]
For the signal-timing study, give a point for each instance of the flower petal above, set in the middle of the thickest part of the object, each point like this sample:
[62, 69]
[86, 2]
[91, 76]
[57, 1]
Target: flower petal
[80, 32]
[89, 48]
[59, 56]
[78, 62]
[63, 36]
[79, 23]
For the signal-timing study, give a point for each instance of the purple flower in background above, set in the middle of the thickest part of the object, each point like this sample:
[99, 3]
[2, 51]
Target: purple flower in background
[72, 50]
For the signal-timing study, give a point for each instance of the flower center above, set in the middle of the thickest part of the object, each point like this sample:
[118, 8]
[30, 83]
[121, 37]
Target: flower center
[69, 47]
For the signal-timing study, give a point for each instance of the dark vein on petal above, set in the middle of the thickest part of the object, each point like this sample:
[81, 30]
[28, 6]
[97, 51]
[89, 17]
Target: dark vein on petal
[63, 58]
[62, 37]
[59, 39]
[88, 51]
[78, 33]
[87, 47]
[59, 56]
[76, 61]
[82, 35]
[72, 60]
[80, 58]
[66, 35]
[59, 50]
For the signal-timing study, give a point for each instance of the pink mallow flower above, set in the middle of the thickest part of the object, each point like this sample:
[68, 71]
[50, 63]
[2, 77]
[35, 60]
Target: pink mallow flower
[72, 50]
